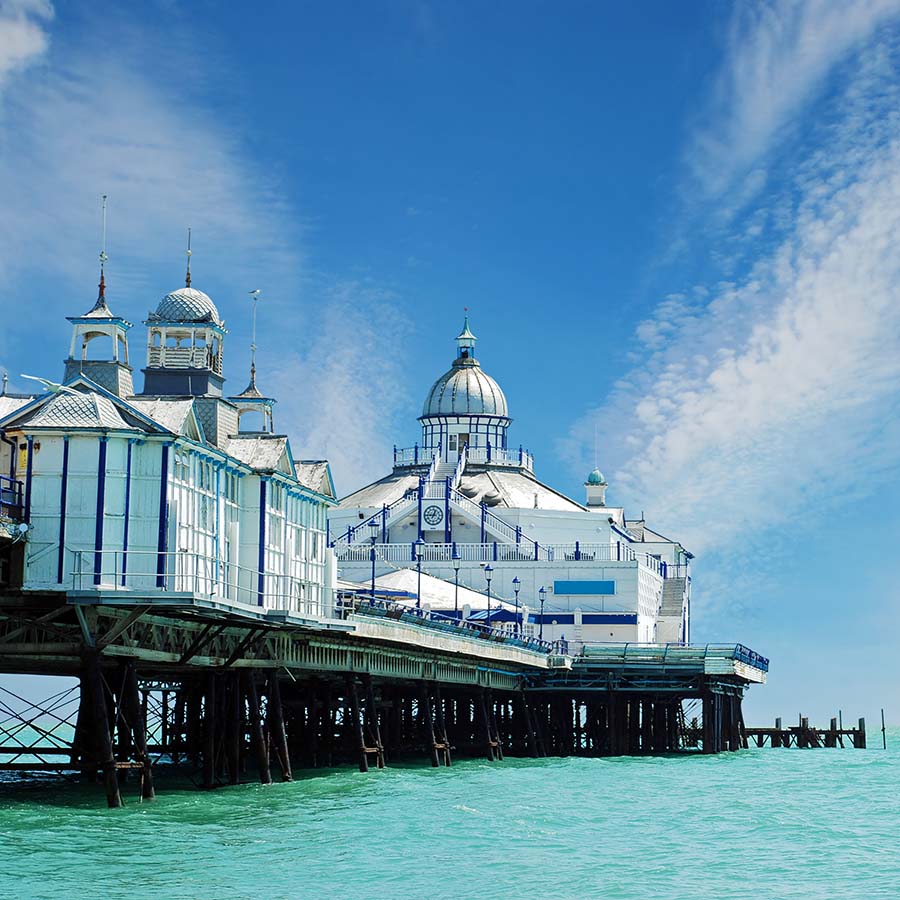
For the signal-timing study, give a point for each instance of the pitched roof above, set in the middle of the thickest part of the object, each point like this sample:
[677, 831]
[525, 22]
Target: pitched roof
[9, 405]
[78, 409]
[266, 452]
[315, 474]
[170, 413]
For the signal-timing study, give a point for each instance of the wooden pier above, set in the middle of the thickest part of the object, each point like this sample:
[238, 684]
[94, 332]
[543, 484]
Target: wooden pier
[804, 735]
[227, 692]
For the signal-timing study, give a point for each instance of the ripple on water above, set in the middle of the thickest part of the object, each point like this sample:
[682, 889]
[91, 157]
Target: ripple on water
[765, 824]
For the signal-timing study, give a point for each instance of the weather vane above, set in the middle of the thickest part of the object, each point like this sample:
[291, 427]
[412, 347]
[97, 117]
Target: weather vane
[103, 256]
[255, 295]
[187, 277]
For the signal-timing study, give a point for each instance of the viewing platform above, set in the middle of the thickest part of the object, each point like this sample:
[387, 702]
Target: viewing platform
[411, 457]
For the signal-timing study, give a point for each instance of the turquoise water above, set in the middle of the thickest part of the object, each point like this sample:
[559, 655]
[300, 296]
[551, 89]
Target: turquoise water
[761, 823]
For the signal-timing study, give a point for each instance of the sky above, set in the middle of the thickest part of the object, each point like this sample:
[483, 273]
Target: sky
[675, 228]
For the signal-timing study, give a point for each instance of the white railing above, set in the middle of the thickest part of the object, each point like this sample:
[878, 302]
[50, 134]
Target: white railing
[460, 468]
[418, 456]
[152, 574]
[499, 551]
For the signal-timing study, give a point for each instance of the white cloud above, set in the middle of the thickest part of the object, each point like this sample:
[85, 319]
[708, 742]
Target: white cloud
[775, 395]
[778, 56]
[23, 35]
[343, 390]
[125, 110]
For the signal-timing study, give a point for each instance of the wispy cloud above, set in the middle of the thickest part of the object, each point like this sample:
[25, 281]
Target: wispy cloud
[778, 56]
[343, 390]
[23, 34]
[109, 110]
[773, 396]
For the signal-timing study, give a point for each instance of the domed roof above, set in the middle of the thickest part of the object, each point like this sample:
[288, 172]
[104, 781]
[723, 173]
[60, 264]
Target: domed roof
[465, 390]
[596, 477]
[187, 304]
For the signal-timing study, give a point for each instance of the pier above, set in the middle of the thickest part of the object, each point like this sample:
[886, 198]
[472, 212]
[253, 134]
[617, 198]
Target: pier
[228, 691]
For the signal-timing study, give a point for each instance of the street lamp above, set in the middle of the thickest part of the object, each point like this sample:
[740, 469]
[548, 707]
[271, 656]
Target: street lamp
[543, 595]
[419, 545]
[516, 587]
[456, 581]
[488, 574]
[373, 532]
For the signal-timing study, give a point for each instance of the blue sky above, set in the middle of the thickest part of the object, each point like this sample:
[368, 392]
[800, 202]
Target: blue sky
[675, 226]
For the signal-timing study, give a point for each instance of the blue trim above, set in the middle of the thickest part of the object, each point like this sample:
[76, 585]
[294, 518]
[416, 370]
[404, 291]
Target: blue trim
[588, 618]
[63, 490]
[261, 584]
[218, 523]
[29, 471]
[101, 508]
[162, 539]
[591, 588]
[127, 511]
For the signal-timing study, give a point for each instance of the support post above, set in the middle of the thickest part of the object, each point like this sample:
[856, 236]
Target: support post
[257, 738]
[136, 720]
[102, 732]
[275, 723]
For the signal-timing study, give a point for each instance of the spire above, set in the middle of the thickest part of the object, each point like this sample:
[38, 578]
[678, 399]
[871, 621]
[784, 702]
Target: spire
[465, 340]
[187, 277]
[252, 390]
[100, 306]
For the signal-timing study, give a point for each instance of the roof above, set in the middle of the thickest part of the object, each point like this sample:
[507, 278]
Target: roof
[187, 304]
[465, 390]
[170, 413]
[498, 487]
[267, 452]
[316, 475]
[78, 409]
[9, 405]
[436, 591]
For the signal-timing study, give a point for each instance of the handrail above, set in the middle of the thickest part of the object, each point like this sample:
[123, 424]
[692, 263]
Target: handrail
[679, 651]
[12, 502]
[460, 468]
[157, 572]
[413, 615]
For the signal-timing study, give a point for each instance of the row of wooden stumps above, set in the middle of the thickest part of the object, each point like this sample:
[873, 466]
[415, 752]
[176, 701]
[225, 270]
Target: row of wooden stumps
[804, 735]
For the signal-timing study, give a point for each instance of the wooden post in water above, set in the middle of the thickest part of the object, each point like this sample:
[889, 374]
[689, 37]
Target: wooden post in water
[860, 741]
[275, 724]
[257, 739]
[443, 740]
[372, 721]
[356, 725]
[485, 726]
[102, 733]
[209, 731]
[134, 713]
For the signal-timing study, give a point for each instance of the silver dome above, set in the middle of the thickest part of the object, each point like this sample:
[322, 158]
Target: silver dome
[466, 390]
[187, 304]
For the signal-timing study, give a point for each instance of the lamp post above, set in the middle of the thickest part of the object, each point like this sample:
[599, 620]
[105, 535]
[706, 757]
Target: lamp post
[488, 574]
[542, 593]
[455, 581]
[419, 545]
[373, 532]
[516, 587]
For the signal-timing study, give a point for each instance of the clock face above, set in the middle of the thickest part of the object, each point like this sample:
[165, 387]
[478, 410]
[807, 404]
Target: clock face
[433, 515]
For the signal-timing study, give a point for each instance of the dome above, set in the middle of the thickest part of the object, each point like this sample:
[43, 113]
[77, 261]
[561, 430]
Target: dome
[596, 477]
[465, 390]
[187, 304]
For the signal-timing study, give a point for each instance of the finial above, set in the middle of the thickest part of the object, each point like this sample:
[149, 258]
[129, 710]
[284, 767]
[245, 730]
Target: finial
[103, 257]
[187, 277]
[255, 295]
[5, 383]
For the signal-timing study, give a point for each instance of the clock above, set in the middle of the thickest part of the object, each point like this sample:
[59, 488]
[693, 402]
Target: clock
[433, 515]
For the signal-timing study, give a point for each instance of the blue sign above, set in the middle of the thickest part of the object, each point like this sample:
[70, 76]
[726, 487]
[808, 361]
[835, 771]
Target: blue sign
[591, 588]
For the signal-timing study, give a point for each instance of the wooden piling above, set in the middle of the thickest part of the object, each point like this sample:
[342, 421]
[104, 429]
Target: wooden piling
[209, 732]
[371, 721]
[355, 722]
[134, 711]
[257, 738]
[276, 729]
[102, 733]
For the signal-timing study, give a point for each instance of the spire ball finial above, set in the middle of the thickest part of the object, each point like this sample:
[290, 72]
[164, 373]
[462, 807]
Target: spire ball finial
[187, 277]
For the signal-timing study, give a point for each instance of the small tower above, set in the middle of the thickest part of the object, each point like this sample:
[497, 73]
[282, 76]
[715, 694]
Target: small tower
[251, 399]
[184, 344]
[113, 372]
[596, 486]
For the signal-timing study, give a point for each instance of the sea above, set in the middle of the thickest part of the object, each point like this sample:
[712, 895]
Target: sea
[769, 823]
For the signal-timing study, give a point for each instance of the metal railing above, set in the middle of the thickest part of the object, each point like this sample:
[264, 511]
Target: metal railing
[494, 456]
[497, 551]
[671, 654]
[151, 573]
[12, 502]
[360, 604]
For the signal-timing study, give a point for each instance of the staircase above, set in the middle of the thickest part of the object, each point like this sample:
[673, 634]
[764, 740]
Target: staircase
[671, 610]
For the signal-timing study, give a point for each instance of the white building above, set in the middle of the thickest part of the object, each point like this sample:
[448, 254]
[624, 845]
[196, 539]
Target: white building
[466, 501]
[168, 489]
